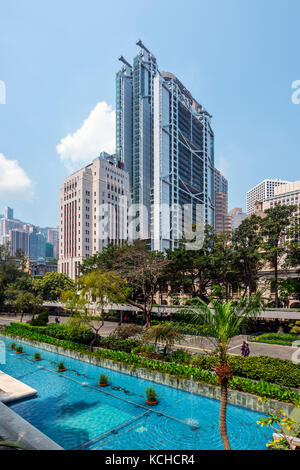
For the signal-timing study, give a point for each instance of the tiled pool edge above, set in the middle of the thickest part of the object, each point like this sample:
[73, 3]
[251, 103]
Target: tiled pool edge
[245, 400]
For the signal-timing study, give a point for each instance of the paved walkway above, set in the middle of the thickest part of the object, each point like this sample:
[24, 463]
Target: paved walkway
[194, 344]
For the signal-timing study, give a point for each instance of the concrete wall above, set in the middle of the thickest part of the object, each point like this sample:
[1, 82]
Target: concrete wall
[245, 400]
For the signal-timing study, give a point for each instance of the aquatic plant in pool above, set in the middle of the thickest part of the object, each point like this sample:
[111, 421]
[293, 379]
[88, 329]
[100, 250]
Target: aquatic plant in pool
[103, 380]
[61, 367]
[152, 397]
[75, 412]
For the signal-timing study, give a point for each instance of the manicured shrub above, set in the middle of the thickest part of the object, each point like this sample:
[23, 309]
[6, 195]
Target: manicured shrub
[273, 370]
[180, 355]
[285, 339]
[41, 320]
[111, 342]
[295, 330]
[81, 335]
[185, 328]
[146, 350]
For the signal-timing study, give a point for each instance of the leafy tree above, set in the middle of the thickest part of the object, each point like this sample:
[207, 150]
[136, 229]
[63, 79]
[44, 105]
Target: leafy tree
[142, 270]
[293, 246]
[97, 287]
[222, 262]
[223, 322]
[51, 285]
[72, 300]
[104, 260]
[212, 267]
[247, 241]
[182, 272]
[288, 288]
[19, 255]
[28, 302]
[285, 426]
[197, 270]
[9, 274]
[274, 229]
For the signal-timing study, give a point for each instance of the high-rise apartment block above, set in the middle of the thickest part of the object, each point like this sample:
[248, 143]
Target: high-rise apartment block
[53, 238]
[19, 241]
[222, 219]
[37, 243]
[25, 237]
[262, 192]
[165, 140]
[93, 212]
[8, 213]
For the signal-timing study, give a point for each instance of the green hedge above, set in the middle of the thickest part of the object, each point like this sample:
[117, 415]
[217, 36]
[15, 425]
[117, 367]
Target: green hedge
[116, 344]
[82, 335]
[186, 328]
[273, 370]
[284, 339]
[260, 388]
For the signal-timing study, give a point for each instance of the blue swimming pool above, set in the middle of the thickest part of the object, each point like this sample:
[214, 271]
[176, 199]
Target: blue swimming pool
[76, 413]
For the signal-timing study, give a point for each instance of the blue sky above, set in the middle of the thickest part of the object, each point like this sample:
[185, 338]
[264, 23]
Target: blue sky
[58, 60]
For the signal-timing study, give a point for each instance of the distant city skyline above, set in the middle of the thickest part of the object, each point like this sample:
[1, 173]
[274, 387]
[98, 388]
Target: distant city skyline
[59, 110]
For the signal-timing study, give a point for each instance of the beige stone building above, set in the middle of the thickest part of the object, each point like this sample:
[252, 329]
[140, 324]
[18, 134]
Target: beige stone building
[92, 212]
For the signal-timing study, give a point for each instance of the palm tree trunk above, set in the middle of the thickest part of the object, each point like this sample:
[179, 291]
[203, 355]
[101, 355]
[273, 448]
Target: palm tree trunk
[222, 416]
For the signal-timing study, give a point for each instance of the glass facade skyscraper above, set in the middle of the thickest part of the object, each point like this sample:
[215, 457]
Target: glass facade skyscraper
[168, 151]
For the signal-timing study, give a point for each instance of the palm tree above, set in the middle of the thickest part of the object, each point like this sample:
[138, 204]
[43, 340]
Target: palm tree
[167, 334]
[223, 322]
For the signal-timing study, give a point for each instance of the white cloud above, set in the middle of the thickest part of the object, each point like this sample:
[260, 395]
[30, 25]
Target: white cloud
[14, 182]
[96, 134]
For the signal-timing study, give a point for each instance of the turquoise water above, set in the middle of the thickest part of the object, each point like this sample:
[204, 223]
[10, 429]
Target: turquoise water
[76, 413]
